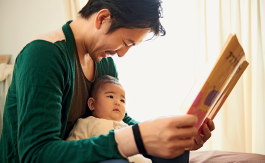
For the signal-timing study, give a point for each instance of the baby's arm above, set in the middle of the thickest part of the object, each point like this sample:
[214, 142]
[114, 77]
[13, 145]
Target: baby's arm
[89, 127]
[128, 120]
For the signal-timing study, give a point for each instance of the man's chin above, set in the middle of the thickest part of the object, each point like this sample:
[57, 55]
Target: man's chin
[97, 59]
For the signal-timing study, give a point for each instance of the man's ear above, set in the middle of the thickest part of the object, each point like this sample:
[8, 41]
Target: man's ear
[102, 16]
[91, 104]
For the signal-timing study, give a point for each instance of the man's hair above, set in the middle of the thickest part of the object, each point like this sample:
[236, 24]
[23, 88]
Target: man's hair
[129, 14]
[100, 82]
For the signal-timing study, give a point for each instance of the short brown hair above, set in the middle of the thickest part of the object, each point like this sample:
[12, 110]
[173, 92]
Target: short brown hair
[100, 82]
[129, 14]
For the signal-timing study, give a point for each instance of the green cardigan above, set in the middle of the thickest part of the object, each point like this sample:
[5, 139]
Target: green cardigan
[38, 104]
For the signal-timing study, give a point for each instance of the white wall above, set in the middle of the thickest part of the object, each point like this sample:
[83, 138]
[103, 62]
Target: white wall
[22, 19]
[157, 75]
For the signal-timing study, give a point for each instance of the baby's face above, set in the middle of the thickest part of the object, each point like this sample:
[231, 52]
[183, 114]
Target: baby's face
[110, 102]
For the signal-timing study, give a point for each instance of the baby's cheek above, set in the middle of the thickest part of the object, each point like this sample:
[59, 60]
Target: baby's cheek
[123, 111]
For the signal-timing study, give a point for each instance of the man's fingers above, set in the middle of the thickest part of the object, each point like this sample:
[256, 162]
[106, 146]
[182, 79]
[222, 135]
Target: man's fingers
[186, 143]
[185, 132]
[211, 125]
[184, 120]
[198, 140]
[172, 134]
[206, 132]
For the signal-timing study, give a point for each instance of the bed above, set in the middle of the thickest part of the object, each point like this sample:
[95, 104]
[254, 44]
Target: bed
[215, 156]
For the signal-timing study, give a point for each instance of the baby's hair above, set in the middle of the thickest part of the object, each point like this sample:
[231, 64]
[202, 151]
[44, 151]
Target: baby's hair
[100, 82]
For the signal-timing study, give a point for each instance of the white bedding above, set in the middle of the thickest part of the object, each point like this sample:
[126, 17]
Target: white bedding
[215, 156]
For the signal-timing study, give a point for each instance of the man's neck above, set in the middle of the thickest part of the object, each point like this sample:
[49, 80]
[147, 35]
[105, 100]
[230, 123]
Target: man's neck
[80, 28]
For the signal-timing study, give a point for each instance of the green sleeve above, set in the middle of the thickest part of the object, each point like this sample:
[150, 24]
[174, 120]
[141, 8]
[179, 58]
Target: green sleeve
[41, 77]
[107, 67]
[129, 120]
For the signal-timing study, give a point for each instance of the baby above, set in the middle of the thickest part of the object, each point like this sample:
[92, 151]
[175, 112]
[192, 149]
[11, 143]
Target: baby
[107, 103]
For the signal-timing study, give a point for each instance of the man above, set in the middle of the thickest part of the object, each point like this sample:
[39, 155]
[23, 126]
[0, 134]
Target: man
[53, 74]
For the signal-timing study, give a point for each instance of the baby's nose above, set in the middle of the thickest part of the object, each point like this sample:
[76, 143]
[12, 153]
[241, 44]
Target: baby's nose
[117, 102]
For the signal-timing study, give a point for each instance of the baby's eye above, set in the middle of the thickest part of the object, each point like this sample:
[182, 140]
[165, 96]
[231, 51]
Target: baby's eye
[110, 96]
[122, 100]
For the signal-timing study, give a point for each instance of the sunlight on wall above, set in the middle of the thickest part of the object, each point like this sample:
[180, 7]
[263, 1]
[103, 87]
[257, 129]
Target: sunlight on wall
[158, 74]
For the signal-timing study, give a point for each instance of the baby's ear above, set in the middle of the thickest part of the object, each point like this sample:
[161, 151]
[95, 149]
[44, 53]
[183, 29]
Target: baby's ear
[91, 104]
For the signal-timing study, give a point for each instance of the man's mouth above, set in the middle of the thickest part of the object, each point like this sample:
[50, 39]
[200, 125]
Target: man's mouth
[116, 110]
[110, 53]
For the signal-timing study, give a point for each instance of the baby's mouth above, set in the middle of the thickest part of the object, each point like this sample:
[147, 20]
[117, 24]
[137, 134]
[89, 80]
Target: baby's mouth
[116, 110]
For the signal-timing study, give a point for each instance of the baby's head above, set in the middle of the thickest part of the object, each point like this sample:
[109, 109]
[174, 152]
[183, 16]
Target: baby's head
[107, 99]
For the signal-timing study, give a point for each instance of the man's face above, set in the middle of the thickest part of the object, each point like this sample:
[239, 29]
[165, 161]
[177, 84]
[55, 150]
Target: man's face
[119, 41]
[110, 102]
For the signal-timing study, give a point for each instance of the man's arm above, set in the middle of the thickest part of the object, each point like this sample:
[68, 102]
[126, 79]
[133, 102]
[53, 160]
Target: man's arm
[165, 137]
[41, 80]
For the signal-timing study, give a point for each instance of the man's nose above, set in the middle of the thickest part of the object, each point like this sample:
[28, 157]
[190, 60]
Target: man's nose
[121, 52]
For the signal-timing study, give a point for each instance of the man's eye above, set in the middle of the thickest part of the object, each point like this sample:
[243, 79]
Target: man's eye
[125, 44]
[110, 96]
[123, 101]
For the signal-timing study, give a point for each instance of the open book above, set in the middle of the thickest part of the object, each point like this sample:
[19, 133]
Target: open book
[216, 82]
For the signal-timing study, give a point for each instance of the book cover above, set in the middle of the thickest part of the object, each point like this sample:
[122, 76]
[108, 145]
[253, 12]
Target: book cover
[216, 82]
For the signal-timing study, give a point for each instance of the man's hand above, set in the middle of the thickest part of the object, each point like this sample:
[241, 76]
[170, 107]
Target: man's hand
[168, 137]
[199, 140]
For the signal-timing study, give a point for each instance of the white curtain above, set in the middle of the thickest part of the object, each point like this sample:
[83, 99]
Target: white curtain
[157, 75]
[240, 124]
[73, 6]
